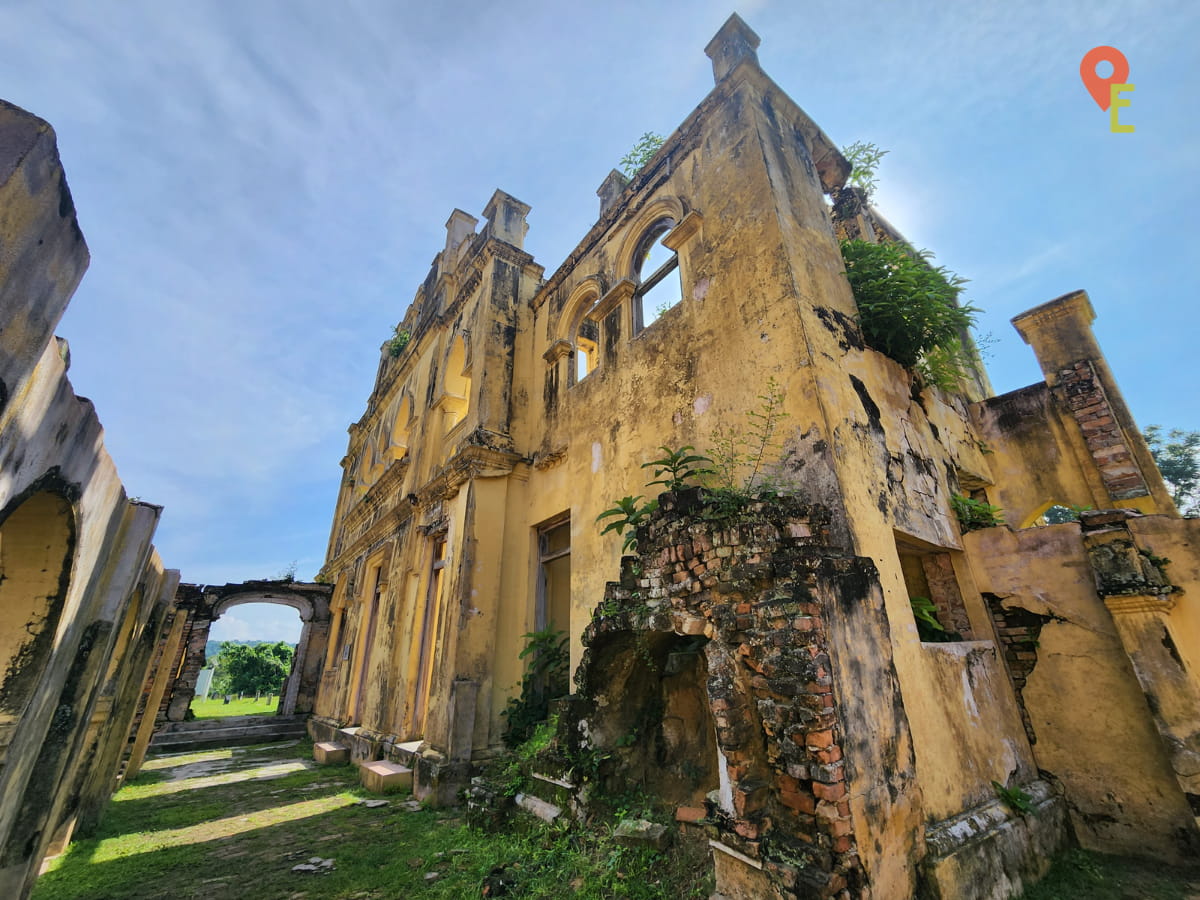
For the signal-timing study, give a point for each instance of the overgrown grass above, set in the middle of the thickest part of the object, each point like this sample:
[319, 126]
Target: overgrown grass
[217, 708]
[233, 823]
[1080, 875]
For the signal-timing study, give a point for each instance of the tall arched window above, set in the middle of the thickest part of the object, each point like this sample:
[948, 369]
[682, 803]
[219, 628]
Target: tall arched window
[456, 396]
[657, 274]
[36, 542]
[587, 349]
[399, 435]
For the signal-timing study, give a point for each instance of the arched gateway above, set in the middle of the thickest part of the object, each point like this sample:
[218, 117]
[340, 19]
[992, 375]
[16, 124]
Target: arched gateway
[205, 604]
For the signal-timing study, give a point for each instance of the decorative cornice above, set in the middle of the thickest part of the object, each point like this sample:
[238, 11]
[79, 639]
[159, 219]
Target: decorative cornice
[549, 459]
[683, 232]
[621, 291]
[557, 351]
[1140, 603]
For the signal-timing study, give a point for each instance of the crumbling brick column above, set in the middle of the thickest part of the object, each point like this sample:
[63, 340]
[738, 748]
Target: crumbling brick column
[761, 587]
[1060, 333]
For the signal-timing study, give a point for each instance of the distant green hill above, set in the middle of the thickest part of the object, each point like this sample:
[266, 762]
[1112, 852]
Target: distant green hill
[212, 648]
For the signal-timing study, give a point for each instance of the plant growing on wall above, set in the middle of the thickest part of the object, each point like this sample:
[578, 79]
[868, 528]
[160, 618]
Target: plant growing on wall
[975, 514]
[864, 157]
[737, 450]
[629, 515]
[909, 310]
[678, 466]
[645, 148]
[1015, 799]
[929, 628]
[400, 339]
[547, 669]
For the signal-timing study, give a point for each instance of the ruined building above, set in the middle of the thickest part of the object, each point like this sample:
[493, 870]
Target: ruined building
[767, 663]
[84, 599]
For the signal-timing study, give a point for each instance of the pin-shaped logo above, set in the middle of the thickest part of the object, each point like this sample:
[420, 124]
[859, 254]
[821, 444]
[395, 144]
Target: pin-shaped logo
[1106, 91]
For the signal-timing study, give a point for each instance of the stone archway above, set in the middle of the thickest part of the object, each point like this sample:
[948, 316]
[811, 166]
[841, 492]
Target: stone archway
[207, 603]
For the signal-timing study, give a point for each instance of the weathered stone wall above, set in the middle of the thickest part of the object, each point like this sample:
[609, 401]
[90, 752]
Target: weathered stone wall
[1090, 723]
[73, 547]
[522, 405]
[818, 793]
[204, 604]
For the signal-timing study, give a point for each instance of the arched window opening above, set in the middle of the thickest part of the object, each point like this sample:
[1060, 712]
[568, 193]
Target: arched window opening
[659, 287]
[458, 375]
[250, 664]
[36, 547]
[456, 396]
[366, 466]
[399, 435]
[587, 349]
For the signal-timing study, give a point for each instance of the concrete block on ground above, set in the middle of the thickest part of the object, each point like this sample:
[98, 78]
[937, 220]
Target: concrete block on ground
[547, 812]
[331, 753]
[383, 777]
[640, 833]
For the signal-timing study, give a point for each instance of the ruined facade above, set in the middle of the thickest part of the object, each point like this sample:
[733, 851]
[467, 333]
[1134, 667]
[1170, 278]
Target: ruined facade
[201, 605]
[774, 658]
[84, 598]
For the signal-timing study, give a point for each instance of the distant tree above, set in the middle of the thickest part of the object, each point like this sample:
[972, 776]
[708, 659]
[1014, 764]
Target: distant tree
[1178, 458]
[252, 669]
[642, 151]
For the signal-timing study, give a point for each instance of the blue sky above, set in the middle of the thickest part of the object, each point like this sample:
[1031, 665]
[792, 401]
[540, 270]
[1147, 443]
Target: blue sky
[263, 185]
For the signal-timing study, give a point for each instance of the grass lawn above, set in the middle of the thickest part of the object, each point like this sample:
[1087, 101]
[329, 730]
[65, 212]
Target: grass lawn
[217, 708]
[233, 823]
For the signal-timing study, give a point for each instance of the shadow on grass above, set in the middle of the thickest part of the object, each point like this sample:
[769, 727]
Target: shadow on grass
[381, 854]
[198, 804]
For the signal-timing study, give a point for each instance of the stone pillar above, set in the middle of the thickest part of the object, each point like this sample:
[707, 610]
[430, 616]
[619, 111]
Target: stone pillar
[1140, 599]
[610, 189]
[1060, 333]
[287, 702]
[735, 43]
[161, 676]
[184, 688]
[317, 638]
[505, 216]
[459, 227]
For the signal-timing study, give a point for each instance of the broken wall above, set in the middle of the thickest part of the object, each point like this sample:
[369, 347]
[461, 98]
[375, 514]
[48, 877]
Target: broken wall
[73, 547]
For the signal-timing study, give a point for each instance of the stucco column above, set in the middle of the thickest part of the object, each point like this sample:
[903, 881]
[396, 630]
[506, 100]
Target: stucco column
[287, 703]
[1060, 333]
[1140, 598]
[161, 676]
[184, 688]
[1142, 623]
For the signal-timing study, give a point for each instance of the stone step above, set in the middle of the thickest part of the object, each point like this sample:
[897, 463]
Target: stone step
[382, 777]
[331, 753]
[227, 722]
[228, 736]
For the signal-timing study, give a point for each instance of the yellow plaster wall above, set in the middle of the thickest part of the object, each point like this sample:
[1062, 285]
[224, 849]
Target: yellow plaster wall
[1094, 730]
[1179, 541]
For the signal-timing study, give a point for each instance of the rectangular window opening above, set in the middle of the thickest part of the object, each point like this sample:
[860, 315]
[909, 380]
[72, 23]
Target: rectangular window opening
[658, 293]
[932, 586]
[553, 604]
